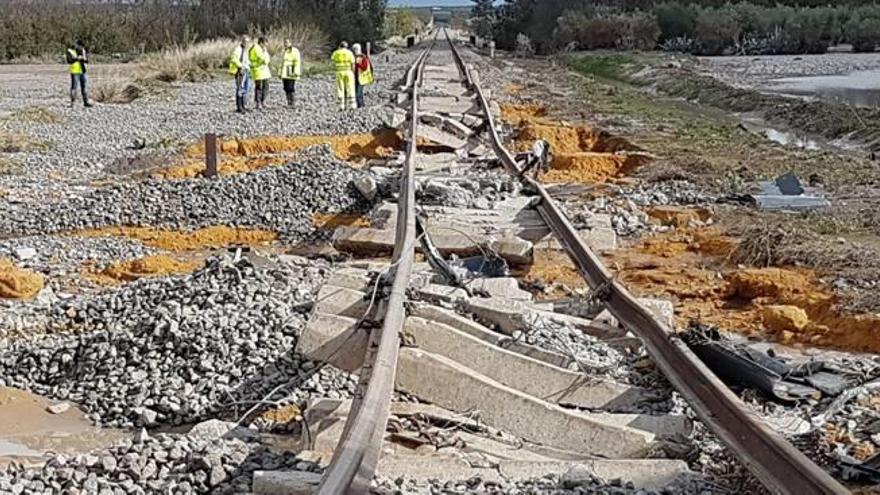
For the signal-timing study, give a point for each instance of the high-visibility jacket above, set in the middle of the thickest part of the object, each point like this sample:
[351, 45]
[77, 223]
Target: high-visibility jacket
[292, 66]
[76, 65]
[259, 58]
[343, 59]
[238, 60]
[364, 70]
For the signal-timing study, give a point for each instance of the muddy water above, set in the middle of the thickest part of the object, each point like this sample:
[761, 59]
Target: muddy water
[28, 431]
[859, 88]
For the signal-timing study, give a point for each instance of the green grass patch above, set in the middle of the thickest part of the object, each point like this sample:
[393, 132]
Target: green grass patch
[606, 66]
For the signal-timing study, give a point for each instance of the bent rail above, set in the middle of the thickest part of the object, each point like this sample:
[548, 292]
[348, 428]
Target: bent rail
[354, 460]
[772, 460]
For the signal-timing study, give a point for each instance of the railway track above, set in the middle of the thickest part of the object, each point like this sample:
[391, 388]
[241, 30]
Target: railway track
[772, 460]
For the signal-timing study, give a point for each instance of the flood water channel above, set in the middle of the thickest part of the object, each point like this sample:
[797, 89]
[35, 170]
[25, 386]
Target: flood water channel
[858, 88]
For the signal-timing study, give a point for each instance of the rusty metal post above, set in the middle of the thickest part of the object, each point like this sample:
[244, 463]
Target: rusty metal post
[212, 155]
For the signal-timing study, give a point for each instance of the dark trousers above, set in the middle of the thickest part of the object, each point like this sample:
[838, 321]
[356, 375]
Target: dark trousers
[289, 90]
[78, 80]
[261, 89]
[359, 94]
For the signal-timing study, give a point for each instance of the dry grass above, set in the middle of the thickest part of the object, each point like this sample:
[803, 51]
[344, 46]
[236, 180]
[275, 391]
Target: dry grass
[36, 114]
[9, 166]
[190, 63]
[116, 89]
[203, 60]
[794, 242]
[11, 142]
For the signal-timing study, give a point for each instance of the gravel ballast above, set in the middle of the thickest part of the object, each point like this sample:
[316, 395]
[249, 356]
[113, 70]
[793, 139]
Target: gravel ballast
[178, 350]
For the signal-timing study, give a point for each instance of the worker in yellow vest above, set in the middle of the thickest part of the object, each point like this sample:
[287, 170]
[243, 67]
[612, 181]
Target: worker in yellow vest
[291, 70]
[343, 63]
[363, 73]
[240, 67]
[77, 57]
[260, 73]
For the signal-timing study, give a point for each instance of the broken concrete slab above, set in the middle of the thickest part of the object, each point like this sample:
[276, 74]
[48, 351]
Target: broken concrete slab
[507, 287]
[341, 301]
[522, 373]
[515, 250]
[645, 474]
[286, 482]
[335, 340]
[441, 137]
[442, 293]
[449, 384]
[665, 426]
[351, 278]
[474, 329]
[447, 104]
[508, 315]
[367, 186]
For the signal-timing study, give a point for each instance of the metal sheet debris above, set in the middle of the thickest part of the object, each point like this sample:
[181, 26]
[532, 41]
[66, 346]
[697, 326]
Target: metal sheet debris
[787, 193]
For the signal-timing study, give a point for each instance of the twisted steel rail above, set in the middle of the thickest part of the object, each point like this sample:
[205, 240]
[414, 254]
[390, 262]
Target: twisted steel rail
[777, 464]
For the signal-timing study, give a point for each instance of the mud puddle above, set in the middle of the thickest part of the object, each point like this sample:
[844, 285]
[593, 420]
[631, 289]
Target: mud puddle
[28, 431]
[859, 88]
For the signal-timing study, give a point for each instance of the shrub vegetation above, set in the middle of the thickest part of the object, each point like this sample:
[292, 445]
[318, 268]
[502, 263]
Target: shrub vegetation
[704, 27]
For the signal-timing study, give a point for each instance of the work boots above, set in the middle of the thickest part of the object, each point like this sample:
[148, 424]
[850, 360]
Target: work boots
[258, 98]
[239, 104]
[291, 99]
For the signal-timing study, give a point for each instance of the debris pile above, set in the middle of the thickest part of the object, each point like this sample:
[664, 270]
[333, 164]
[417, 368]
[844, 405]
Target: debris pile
[180, 349]
[277, 198]
[207, 460]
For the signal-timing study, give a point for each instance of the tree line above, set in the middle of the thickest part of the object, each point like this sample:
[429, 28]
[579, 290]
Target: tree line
[705, 27]
[34, 28]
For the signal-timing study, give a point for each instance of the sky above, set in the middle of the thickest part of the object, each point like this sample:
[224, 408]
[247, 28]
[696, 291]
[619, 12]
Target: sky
[429, 3]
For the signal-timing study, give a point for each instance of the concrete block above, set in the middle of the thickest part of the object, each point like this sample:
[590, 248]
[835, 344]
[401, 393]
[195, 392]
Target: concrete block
[341, 301]
[366, 185]
[25, 253]
[474, 329]
[351, 278]
[442, 293]
[335, 340]
[515, 250]
[665, 426]
[508, 315]
[522, 373]
[446, 383]
[286, 482]
[507, 287]
[441, 137]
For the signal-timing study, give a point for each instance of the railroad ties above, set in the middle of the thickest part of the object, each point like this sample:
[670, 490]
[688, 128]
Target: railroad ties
[519, 410]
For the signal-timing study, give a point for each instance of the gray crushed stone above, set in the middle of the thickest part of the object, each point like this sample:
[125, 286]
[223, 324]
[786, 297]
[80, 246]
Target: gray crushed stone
[277, 198]
[176, 350]
[163, 463]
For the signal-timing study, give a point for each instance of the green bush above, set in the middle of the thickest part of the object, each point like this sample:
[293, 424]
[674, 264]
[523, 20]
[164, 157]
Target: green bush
[863, 33]
[716, 31]
[675, 20]
[638, 31]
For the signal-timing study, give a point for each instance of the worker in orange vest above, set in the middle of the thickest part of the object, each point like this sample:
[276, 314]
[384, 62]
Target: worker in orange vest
[363, 73]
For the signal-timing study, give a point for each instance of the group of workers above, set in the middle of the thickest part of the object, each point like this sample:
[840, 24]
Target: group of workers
[251, 62]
